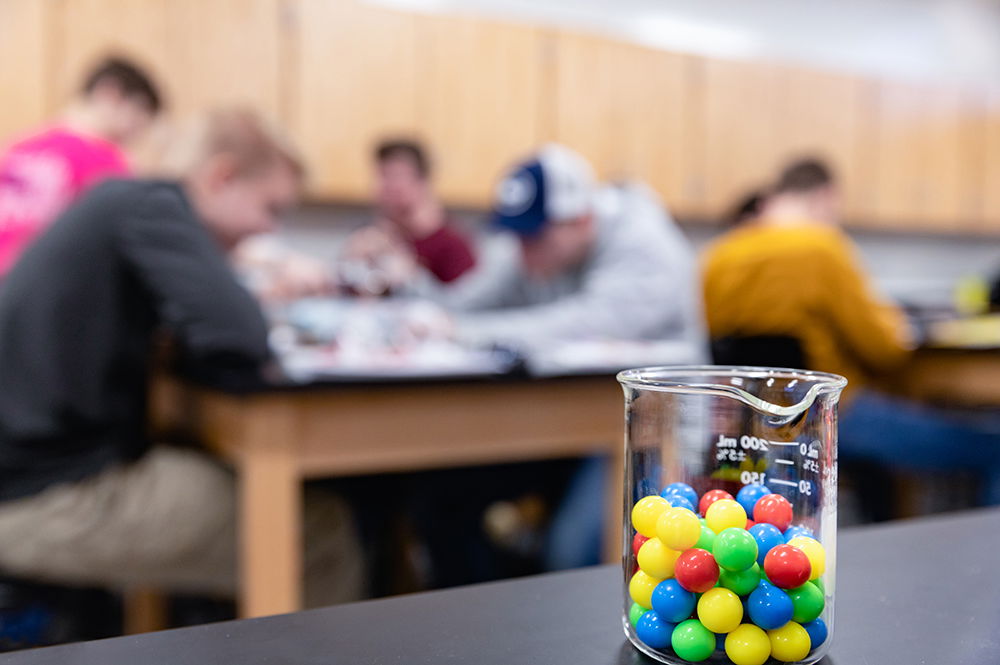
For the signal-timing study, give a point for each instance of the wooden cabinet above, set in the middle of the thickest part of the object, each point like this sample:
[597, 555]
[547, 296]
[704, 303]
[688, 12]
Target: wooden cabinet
[741, 132]
[479, 95]
[342, 74]
[990, 114]
[201, 54]
[353, 75]
[83, 31]
[819, 114]
[630, 111]
[929, 158]
[24, 45]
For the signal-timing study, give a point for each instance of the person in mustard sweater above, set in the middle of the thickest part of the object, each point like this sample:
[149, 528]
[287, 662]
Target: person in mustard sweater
[793, 273]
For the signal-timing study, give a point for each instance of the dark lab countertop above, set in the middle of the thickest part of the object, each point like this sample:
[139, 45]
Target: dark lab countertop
[923, 591]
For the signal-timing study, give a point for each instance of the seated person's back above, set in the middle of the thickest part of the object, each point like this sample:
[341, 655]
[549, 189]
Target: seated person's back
[792, 272]
[77, 317]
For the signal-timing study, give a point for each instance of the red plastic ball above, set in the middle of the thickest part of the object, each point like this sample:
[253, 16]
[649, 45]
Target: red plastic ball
[637, 541]
[696, 570]
[710, 497]
[773, 509]
[786, 566]
[750, 523]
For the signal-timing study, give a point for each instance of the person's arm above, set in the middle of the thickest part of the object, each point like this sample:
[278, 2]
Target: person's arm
[642, 284]
[874, 331]
[196, 293]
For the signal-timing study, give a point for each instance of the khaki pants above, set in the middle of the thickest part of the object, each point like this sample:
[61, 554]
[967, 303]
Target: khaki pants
[168, 521]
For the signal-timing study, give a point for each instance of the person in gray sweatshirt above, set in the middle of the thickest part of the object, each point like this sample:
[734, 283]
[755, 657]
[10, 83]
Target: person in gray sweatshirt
[580, 261]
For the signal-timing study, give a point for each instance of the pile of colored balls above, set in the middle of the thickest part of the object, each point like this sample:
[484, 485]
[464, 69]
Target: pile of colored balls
[750, 587]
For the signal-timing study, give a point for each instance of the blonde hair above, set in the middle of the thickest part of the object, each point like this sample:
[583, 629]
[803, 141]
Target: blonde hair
[252, 142]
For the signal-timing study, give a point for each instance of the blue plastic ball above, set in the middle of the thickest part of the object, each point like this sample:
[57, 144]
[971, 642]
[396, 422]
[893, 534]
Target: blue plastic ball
[673, 602]
[678, 501]
[799, 530]
[684, 490]
[653, 630]
[767, 536]
[748, 496]
[720, 641]
[770, 607]
[817, 632]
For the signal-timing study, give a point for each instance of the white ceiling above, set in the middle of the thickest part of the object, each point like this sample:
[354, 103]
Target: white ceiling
[955, 40]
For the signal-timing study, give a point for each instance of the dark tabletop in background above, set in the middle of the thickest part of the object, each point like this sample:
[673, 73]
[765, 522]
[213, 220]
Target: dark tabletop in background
[922, 591]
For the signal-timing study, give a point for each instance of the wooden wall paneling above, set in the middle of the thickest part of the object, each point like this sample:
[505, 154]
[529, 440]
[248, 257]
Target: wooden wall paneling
[354, 81]
[820, 114]
[625, 108]
[24, 50]
[741, 102]
[224, 52]
[929, 161]
[478, 100]
[991, 160]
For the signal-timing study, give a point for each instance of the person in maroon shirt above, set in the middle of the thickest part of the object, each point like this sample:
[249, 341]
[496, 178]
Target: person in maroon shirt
[411, 225]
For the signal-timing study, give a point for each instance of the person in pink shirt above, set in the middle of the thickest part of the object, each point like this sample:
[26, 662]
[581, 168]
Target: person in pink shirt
[42, 173]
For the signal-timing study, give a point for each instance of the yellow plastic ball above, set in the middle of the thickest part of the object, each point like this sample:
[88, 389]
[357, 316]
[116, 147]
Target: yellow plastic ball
[640, 588]
[725, 514]
[748, 645]
[679, 529]
[789, 643]
[645, 513]
[656, 559]
[814, 552]
[720, 610]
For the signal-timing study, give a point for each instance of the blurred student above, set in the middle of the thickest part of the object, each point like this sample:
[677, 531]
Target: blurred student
[85, 497]
[793, 273]
[592, 262]
[746, 209]
[411, 227]
[43, 173]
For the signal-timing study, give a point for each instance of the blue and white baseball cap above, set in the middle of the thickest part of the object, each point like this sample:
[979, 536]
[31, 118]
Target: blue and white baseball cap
[555, 185]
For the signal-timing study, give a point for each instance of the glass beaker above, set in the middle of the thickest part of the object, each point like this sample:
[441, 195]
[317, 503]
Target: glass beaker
[730, 525]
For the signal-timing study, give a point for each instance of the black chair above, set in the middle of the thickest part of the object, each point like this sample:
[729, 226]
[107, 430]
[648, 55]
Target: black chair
[759, 350]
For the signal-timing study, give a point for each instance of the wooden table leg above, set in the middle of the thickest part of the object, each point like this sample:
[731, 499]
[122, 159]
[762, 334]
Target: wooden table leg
[145, 610]
[270, 501]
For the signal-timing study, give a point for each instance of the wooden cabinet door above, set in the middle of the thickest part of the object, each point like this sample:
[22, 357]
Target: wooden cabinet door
[630, 111]
[83, 31]
[201, 54]
[478, 100]
[928, 160]
[742, 135]
[353, 81]
[225, 52]
[24, 44]
[819, 114]
[991, 161]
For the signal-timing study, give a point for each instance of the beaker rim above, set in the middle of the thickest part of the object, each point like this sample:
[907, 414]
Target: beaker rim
[678, 379]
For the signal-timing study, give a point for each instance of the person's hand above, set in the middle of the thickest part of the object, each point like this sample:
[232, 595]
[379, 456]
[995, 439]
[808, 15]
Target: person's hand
[376, 261]
[299, 276]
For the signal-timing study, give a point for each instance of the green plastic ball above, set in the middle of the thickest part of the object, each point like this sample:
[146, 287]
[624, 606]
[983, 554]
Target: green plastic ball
[635, 612]
[735, 549]
[807, 602]
[741, 582]
[706, 540]
[819, 583]
[692, 641]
